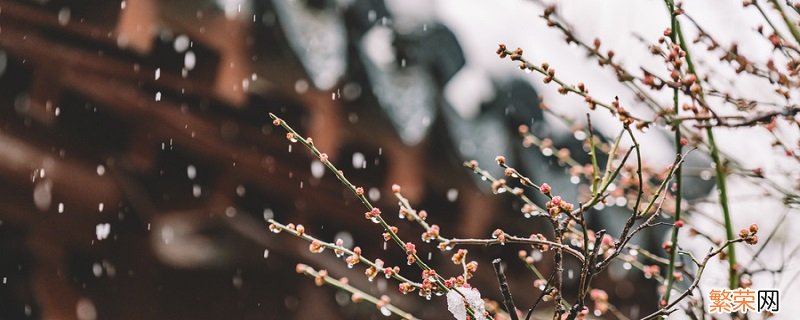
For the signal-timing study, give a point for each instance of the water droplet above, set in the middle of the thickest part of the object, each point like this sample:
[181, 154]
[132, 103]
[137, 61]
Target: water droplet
[579, 135]
[385, 311]
[626, 266]
[547, 152]
[575, 179]
[705, 175]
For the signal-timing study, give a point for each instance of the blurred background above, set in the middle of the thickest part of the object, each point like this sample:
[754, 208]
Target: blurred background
[139, 166]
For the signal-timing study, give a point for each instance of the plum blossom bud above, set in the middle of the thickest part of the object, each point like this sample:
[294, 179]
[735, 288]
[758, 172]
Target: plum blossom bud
[406, 288]
[315, 246]
[458, 257]
[319, 280]
[373, 214]
[371, 272]
[545, 188]
[410, 248]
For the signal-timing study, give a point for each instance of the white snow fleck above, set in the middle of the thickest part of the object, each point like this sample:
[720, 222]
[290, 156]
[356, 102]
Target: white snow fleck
[197, 191]
[191, 172]
[455, 303]
[181, 43]
[359, 161]
[189, 60]
[101, 170]
[63, 16]
[102, 230]
[158, 73]
[268, 214]
[317, 169]
[85, 310]
[374, 194]
[452, 194]
[43, 194]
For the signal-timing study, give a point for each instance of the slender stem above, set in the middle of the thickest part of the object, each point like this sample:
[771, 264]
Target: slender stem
[789, 24]
[307, 142]
[381, 304]
[720, 170]
[508, 301]
[593, 154]
[666, 310]
[514, 239]
[343, 250]
[723, 199]
[678, 176]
